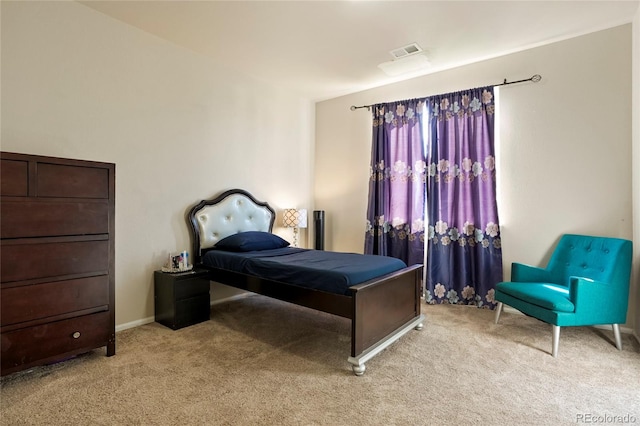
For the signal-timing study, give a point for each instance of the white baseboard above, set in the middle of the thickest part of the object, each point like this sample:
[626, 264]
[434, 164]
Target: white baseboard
[149, 320]
[623, 329]
[133, 324]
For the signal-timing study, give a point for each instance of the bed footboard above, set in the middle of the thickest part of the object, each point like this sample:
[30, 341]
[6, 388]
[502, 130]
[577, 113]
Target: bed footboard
[384, 310]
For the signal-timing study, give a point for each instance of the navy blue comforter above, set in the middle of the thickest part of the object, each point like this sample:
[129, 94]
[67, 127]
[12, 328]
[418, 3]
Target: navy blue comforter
[328, 271]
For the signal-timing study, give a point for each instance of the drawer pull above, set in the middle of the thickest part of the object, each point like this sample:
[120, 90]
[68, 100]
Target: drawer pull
[76, 335]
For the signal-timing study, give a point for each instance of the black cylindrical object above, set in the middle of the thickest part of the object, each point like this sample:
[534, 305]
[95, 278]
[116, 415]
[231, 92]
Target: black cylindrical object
[318, 225]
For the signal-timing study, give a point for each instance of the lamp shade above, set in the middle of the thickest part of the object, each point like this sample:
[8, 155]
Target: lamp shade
[295, 218]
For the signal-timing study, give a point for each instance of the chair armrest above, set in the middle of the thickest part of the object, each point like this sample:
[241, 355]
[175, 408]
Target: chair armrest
[588, 295]
[527, 273]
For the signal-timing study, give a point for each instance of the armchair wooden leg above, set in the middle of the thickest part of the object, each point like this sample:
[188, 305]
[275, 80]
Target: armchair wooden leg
[616, 334]
[555, 340]
[498, 311]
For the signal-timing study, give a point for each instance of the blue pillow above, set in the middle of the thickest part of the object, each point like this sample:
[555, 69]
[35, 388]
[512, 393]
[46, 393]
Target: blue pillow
[251, 241]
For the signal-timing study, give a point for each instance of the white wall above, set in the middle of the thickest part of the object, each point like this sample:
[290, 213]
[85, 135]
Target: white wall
[179, 127]
[565, 145]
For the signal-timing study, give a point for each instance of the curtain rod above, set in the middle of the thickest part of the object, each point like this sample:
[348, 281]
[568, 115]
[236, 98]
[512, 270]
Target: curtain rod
[535, 78]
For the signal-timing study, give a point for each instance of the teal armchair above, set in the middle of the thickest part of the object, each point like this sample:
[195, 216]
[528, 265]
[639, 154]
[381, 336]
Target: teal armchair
[585, 283]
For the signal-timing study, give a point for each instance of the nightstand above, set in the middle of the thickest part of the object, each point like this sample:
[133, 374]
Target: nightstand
[181, 299]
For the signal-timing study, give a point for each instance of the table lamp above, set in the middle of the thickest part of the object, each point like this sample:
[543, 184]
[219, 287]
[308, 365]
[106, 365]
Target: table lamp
[296, 219]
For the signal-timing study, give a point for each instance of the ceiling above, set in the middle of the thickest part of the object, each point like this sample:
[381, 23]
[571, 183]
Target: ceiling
[326, 49]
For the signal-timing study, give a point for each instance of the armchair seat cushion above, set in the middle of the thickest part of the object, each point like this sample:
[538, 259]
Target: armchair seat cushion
[549, 296]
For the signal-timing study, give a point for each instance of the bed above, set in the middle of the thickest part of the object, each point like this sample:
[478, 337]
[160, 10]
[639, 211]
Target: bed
[383, 303]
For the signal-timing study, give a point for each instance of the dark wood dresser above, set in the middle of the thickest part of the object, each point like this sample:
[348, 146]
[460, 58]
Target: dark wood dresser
[57, 259]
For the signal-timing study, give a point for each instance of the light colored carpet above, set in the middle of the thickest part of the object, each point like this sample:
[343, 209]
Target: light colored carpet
[263, 362]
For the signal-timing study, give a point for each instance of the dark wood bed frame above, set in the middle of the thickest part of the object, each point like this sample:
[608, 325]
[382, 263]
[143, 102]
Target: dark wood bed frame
[381, 310]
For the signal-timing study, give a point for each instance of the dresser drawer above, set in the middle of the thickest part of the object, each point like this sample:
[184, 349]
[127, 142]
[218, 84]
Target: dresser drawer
[62, 181]
[191, 288]
[54, 341]
[14, 178]
[21, 219]
[41, 260]
[32, 302]
[190, 311]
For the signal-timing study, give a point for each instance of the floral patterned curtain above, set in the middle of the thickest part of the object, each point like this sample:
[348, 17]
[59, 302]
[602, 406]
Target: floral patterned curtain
[464, 255]
[395, 214]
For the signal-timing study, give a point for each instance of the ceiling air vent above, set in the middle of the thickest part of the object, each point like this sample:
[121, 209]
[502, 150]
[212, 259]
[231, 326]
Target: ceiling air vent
[406, 59]
[407, 50]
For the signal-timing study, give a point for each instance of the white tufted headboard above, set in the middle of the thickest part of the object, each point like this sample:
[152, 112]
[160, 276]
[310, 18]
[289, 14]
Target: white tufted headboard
[231, 212]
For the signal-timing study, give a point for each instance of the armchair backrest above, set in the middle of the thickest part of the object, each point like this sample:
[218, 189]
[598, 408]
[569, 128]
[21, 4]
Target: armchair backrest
[598, 258]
